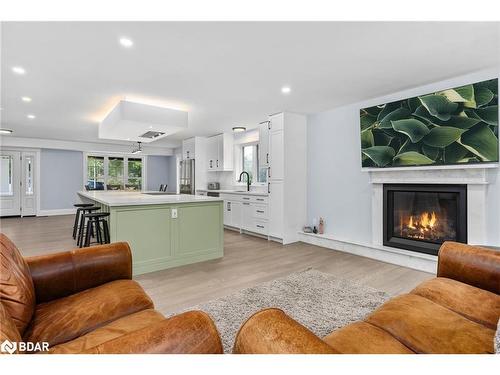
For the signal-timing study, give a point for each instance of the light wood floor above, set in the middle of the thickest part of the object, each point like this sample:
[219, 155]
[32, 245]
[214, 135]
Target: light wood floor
[247, 261]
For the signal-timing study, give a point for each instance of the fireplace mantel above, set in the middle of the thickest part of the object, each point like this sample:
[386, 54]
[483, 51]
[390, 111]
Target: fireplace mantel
[469, 176]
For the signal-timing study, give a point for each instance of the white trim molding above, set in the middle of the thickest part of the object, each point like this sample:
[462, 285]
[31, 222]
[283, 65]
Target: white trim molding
[63, 211]
[410, 259]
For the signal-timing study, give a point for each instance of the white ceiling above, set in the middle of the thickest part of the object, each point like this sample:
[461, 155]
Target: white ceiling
[224, 74]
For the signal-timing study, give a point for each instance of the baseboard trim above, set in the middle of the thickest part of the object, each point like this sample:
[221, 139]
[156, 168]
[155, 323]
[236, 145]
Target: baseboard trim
[64, 211]
[417, 262]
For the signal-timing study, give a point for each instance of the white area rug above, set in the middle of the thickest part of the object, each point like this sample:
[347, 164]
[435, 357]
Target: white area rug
[318, 300]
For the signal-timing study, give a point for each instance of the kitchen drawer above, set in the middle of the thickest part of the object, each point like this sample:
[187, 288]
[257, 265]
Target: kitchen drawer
[260, 226]
[260, 211]
[259, 199]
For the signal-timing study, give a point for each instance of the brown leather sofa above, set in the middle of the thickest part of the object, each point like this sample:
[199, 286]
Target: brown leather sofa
[85, 301]
[456, 312]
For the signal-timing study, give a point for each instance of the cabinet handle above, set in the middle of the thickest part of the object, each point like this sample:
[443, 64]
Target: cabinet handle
[210, 163]
[269, 125]
[246, 204]
[267, 158]
[260, 226]
[187, 152]
[268, 188]
[260, 199]
[260, 211]
[228, 206]
[247, 199]
[269, 172]
[217, 163]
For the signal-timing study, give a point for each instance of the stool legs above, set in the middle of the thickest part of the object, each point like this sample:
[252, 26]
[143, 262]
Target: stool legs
[77, 221]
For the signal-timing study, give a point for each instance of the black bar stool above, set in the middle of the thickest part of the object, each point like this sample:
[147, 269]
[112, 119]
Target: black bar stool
[79, 209]
[95, 220]
[83, 224]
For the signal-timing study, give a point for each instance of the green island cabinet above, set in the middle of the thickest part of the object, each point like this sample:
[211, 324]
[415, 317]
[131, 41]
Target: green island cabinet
[168, 235]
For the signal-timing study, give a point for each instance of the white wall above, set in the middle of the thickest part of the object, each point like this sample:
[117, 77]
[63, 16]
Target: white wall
[340, 192]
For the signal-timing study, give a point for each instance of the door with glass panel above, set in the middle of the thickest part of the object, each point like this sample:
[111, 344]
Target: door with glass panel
[10, 181]
[27, 185]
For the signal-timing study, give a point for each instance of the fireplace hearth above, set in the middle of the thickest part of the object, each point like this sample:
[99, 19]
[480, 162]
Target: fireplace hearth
[420, 217]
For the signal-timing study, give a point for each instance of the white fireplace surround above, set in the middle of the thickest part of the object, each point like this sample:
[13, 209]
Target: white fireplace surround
[476, 180]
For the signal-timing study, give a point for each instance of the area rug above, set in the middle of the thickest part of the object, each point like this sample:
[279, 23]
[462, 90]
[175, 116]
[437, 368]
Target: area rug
[318, 300]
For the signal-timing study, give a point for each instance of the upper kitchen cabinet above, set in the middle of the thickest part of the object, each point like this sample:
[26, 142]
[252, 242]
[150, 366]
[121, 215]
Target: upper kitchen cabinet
[264, 144]
[188, 148]
[220, 152]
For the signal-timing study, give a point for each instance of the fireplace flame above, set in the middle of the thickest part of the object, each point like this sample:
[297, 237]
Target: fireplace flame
[425, 222]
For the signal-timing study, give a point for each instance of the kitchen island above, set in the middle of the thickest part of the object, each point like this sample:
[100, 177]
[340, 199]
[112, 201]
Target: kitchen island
[163, 230]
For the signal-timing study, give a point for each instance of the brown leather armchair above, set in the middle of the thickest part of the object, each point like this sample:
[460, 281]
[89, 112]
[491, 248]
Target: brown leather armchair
[85, 301]
[456, 312]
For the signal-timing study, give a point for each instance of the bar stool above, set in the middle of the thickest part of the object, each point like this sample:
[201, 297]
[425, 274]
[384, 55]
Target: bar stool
[83, 225]
[79, 209]
[95, 220]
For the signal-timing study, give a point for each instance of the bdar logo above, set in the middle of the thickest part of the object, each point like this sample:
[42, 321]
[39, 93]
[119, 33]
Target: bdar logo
[8, 347]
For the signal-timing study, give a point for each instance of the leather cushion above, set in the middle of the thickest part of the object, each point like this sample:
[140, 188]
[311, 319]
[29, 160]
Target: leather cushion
[16, 286]
[119, 327]
[8, 329]
[67, 318]
[473, 303]
[426, 327]
[364, 338]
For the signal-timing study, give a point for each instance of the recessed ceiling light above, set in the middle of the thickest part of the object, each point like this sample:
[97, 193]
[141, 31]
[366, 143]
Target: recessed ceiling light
[6, 131]
[126, 42]
[18, 70]
[26, 99]
[286, 90]
[31, 117]
[239, 129]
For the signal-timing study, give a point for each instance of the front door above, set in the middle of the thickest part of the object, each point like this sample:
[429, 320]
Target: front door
[17, 183]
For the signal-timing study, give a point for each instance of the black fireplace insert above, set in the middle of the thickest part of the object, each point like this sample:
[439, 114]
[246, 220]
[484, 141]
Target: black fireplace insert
[420, 217]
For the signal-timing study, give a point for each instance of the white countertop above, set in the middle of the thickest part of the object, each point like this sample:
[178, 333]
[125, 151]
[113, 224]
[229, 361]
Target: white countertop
[258, 193]
[136, 198]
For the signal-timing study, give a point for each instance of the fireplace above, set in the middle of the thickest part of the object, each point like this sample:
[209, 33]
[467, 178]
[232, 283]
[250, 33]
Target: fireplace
[420, 217]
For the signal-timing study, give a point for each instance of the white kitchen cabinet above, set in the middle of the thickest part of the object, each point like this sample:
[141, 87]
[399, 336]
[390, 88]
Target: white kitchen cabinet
[287, 175]
[276, 209]
[264, 144]
[246, 216]
[276, 167]
[232, 213]
[188, 149]
[220, 152]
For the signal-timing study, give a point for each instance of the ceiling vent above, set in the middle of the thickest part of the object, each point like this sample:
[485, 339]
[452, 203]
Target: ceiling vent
[152, 135]
[137, 122]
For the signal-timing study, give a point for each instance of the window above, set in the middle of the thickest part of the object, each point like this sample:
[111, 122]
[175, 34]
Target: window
[95, 173]
[134, 174]
[29, 174]
[250, 161]
[114, 173]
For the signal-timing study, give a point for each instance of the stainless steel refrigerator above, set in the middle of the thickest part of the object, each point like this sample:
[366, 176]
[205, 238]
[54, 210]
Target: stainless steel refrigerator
[186, 177]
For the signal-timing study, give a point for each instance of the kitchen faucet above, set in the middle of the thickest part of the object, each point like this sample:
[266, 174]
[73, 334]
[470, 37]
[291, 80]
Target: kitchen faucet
[248, 179]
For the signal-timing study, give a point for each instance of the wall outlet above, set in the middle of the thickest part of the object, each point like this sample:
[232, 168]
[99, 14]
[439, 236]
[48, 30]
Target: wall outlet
[174, 213]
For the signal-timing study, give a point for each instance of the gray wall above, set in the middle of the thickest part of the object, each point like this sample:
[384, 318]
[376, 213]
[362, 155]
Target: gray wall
[61, 176]
[161, 170]
[339, 190]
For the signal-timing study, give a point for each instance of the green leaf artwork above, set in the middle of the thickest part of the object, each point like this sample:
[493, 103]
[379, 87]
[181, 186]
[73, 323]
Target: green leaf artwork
[453, 126]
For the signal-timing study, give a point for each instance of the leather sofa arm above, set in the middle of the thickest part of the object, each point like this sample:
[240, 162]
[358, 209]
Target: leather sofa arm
[471, 265]
[62, 274]
[192, 332]
[271, 331]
